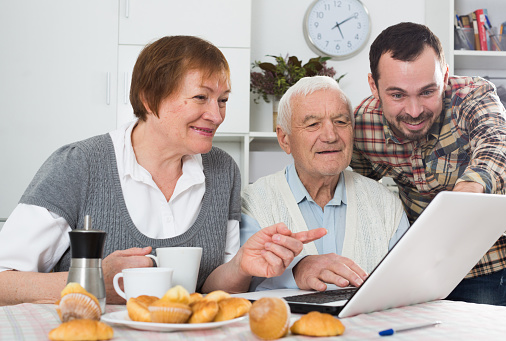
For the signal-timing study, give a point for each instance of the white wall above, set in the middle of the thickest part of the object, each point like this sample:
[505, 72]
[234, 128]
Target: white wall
[277, 30]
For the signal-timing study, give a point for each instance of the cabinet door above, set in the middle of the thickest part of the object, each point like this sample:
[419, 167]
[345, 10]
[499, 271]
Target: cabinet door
[57, 82]
[126, 60]
[225, 23]
[237, 117]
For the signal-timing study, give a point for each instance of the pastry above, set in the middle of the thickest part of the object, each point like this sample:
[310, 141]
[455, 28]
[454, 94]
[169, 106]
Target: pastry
[217, 295]
[195, 297]
[77, 303]
[177, 294]
[164, 311]
[317, 324]
[137, 308]
[204, 311]
[269, 318]
[231, 308]
[82, 329]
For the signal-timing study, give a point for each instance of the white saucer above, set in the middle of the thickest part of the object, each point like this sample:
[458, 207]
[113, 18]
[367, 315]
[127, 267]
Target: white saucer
[120, 318]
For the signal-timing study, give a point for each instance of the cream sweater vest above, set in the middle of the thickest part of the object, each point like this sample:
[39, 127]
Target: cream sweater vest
[372, 216]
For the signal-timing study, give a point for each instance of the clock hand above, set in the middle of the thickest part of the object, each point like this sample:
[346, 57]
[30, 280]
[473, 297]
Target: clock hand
[345, 20]
[338, 24]
[339, 28]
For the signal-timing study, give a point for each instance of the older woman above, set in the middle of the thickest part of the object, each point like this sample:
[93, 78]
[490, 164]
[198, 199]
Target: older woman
[155, 182]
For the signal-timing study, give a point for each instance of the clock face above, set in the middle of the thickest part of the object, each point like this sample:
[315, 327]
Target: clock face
[337, 28]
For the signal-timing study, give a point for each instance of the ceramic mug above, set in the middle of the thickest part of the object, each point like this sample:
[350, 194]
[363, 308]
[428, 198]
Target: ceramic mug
[184, 260]
[143, 281]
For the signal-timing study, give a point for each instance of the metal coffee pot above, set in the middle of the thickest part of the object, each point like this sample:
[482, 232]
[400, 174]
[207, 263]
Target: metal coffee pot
[87, 248]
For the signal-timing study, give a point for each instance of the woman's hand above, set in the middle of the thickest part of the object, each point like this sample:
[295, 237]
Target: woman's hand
[119, 260]
[271, 250]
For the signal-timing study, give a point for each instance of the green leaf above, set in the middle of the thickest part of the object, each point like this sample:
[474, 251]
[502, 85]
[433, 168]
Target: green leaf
[267, 67]
[294, 61]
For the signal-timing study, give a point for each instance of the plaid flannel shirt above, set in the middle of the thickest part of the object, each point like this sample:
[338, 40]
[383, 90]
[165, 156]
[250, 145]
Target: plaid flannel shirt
[466, 143]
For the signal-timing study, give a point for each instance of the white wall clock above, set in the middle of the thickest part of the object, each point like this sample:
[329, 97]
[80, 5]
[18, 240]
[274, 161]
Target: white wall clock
[337, 28]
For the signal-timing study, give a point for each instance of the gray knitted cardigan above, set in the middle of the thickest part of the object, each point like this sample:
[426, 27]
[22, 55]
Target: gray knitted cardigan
[82, 179]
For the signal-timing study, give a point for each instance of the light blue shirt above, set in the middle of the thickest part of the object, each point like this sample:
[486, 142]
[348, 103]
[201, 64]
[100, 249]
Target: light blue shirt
[332, 217]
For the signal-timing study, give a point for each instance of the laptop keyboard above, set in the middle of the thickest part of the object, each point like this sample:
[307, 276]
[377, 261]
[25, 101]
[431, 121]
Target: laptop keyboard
[323, 296]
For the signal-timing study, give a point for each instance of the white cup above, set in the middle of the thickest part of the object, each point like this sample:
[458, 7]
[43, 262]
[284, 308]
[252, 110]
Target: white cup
[143, 281]
[184, 260]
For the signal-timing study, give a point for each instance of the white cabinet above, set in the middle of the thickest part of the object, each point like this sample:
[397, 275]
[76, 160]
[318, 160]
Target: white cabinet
[58, 62]
[127, 55]
[225, 23]
[65, 70]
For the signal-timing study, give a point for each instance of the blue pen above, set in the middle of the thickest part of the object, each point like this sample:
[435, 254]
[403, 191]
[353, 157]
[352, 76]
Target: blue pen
[488, 22]
[392, 331]
[459, 22]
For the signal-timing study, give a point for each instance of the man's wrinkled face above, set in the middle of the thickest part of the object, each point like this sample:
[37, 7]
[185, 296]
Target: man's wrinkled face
[321, 138]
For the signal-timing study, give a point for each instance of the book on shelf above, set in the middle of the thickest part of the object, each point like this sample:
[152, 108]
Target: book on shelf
[482, 32]
[477, 45]
[475, 31]
[466, 21]
[488, 28]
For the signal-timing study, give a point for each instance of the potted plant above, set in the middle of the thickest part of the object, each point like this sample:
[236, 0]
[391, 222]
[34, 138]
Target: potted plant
[274, 80]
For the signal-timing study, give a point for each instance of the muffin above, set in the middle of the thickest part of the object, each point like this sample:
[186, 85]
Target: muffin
[82, 329]
[269, 318]
[77, 303]
[137, 308]
[204, 311]
[231, 308]
[317, 324]
[164, 311]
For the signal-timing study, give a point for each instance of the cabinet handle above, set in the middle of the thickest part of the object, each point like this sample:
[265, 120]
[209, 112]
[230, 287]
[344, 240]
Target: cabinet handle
[125, 96]
[108, 90]
[127, 8]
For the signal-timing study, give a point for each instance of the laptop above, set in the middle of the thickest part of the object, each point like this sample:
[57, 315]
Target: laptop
[427, 263]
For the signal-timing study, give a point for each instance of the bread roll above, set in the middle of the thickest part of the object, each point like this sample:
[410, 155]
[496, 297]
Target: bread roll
[217, 295]
[195, 297]
[269, 318]
[204, 311]
[231, 308]
[137, 308]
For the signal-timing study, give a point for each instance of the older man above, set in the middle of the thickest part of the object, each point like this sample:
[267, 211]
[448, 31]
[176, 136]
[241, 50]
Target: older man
[363, 218]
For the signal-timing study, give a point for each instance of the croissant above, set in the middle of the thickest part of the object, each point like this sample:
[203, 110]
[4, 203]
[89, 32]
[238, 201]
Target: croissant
[82, 329]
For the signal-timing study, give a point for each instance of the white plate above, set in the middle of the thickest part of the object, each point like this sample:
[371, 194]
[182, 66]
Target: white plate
[121, 318]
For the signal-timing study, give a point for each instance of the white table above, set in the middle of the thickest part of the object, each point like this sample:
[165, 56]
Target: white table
[460, 321]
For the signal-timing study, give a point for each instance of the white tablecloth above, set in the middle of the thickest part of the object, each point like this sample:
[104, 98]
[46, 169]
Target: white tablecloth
[460, 321]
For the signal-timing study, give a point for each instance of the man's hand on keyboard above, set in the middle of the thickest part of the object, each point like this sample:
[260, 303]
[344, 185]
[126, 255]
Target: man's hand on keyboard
[313, 272]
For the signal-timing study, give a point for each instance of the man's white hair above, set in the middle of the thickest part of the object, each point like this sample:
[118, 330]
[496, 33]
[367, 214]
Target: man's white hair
[306, 86]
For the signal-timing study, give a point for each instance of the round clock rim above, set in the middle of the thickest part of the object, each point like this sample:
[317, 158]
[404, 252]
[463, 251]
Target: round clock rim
[315, 48]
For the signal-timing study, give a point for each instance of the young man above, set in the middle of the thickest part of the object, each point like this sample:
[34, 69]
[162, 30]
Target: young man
[431, 132]
[363, 218]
